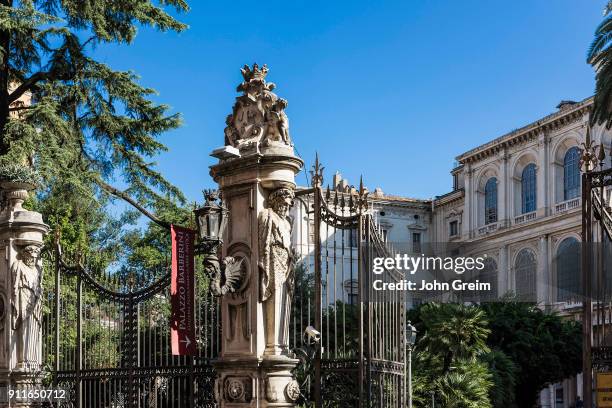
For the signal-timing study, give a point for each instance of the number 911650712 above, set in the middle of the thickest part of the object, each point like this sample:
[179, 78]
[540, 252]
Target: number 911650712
[32, 394]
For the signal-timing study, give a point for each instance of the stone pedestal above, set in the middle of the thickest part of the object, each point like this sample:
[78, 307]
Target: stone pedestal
[256, 177]
[21, 238]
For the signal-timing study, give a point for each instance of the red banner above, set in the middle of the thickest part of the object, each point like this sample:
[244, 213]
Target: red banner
[182, 292]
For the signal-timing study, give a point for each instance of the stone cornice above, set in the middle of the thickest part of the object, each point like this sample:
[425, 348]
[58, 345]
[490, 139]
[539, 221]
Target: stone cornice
[449, 198]
[528, 133]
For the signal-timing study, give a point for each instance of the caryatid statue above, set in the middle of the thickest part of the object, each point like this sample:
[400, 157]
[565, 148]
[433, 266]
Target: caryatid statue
[26, 304]
[276, 266]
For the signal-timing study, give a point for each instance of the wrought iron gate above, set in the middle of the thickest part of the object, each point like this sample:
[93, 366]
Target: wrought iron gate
[596, 266]
[107, 340]
[361, 358]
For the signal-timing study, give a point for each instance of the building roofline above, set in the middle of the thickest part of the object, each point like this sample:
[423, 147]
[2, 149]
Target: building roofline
[449, 197]
[384, 197]
[552, 121]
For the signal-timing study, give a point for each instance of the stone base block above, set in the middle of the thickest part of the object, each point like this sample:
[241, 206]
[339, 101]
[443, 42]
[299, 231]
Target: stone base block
[243, 381]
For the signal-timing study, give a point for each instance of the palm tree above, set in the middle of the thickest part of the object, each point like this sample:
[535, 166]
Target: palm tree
[449, 357]
[454, 330]
[600, 57]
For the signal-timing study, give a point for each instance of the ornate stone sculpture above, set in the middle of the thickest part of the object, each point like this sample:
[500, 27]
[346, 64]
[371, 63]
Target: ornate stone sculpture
[278, 123]
[258, 116]
[276, 263]
[226, 279]
[26, 305]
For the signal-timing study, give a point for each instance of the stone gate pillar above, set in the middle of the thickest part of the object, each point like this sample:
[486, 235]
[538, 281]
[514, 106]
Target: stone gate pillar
[256, 176]
[21, 239]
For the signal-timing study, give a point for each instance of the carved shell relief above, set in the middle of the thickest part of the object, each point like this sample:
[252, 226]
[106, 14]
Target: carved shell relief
[258, 116]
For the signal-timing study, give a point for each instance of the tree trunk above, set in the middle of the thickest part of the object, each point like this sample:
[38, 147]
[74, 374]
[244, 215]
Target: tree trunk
[5, 44]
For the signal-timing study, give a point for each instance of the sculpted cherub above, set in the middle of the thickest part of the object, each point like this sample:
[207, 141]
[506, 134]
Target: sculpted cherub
[278, 123]
[231, 135]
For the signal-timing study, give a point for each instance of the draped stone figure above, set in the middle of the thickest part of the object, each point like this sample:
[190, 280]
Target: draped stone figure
[26, 306]
[276, 265]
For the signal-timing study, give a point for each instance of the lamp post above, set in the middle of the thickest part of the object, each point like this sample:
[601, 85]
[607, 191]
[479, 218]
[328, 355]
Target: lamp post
[211, 220]
[411, 332]
[228, 275]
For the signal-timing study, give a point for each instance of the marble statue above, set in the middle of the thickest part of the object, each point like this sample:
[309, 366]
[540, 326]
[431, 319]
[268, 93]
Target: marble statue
[26, 305]
[276, 266]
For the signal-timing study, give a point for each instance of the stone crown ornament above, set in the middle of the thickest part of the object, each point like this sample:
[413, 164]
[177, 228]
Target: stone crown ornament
[256, 73]
[258, 121]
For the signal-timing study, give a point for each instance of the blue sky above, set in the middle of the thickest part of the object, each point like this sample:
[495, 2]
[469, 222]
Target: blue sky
[393, 90]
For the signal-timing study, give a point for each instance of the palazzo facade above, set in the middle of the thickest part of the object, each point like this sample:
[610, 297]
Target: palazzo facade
[516, 198]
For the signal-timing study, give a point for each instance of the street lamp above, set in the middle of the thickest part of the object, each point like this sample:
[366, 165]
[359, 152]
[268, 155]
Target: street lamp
[211, 220]
[411, 333]
[228, 275]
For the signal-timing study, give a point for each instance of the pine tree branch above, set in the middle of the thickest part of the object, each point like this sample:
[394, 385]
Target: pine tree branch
[124, 196]
[27, 85]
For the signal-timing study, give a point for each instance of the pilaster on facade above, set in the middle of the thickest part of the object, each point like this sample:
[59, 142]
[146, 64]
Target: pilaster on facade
[542, 183]
[543, 280]
[504, 271]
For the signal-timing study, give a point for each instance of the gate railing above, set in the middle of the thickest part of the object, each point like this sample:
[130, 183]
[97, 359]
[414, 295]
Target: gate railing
[596, 269]
[107, 339]
[361, 360]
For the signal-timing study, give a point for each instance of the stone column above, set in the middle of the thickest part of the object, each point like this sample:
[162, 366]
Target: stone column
[21, 236]
[256, 176]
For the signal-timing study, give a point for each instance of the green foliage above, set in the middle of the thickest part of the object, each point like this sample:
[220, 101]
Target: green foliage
[458, 332]
[600, 57]
[447, 359]
[77, 122]
[503, 374]
[465, 386]
[544, 347]
[18, 173]
[498, 354]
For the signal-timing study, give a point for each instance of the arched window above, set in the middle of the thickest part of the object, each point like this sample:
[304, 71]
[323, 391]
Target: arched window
[491, 201]
[571, 174]
[568, 270]
[525, 268]
[528, 189]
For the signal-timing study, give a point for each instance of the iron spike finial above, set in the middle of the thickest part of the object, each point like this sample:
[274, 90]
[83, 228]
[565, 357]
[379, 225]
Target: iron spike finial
[362, 196]
[588, 135]
[588, 159]
[317, 172]
[602, 154]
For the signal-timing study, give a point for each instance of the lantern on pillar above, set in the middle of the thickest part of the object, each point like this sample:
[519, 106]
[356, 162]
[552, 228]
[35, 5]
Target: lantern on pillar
[211, 220]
